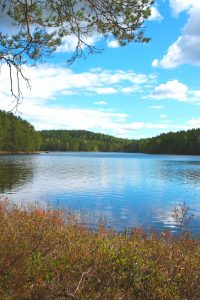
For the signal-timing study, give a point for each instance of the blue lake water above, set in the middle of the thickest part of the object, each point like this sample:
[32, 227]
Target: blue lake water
[123, 190]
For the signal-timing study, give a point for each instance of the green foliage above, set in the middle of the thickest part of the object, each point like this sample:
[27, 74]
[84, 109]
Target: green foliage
[17, 135]
[48, 255]
[182, 142]
[41, 25]
[44, 23]
[81, 140]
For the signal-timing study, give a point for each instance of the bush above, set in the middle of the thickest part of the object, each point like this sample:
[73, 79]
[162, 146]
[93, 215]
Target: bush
[48, 255]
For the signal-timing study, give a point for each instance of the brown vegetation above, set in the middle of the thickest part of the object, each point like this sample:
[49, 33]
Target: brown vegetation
[44, 255]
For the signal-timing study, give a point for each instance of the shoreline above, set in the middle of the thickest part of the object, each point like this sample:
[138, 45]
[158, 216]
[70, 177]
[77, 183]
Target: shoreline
[19, 152]
[70, 151]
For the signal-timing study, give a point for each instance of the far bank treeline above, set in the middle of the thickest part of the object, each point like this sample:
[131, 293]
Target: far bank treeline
[18, 135]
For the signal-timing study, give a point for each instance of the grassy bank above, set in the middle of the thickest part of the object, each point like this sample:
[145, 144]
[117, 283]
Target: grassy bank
[44, 255]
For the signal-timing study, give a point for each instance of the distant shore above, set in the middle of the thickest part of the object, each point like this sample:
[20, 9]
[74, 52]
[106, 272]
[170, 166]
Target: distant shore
[20, 152]
[50, 151]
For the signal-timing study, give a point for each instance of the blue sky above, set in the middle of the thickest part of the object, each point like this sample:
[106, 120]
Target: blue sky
[140, 90]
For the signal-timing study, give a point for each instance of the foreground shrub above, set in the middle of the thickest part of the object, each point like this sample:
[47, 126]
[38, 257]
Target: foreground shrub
[46, 255]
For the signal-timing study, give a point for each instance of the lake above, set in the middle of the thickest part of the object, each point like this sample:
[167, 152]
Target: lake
[123, 190]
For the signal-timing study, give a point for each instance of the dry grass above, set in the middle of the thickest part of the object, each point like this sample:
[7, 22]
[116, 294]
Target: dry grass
[45, 256]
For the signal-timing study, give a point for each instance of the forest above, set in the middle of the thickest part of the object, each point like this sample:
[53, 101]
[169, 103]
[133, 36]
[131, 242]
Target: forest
[17, 135]
[181, 142]
[82, 140]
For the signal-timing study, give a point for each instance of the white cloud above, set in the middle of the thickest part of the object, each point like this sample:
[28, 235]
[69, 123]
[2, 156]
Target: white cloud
[155, 63]
[133, 126]
[69, 43]
[102, 90]
[163, 116]
[100, 103]
[41, 106]
[129, 89]
[156, 126]
[142, 125]
[181, 5]
[51, 82]
[135, 129]
[130, 130]
[113, 44]
[174, 90]
[59, 117]
[156, 107]
[185, 50]
[72, 118]
[155, 14]
[170, 90]
[195, 94]
[194, 123]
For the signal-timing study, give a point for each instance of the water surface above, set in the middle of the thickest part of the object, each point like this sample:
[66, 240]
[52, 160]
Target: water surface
[124, 190]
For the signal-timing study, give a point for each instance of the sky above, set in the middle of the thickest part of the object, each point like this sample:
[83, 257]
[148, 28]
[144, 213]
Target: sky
[136, 91]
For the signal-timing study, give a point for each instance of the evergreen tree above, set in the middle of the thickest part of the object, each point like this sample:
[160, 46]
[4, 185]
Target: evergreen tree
[17, 135]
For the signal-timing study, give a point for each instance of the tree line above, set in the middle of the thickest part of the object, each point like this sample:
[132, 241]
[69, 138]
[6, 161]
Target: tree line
[18, 135]
[181, 142]
[82, 140]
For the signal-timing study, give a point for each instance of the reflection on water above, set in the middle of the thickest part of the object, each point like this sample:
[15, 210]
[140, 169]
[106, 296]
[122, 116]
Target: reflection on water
[13, 173]
[125, 190]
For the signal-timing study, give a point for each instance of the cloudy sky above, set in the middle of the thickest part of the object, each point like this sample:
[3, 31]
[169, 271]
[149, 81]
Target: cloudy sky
[134, 91]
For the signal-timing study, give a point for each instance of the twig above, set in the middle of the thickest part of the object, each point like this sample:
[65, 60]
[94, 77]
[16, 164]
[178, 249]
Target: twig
[82, 279]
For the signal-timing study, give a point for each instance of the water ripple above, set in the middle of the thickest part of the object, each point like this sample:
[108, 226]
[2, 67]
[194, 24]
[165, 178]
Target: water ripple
[125, 190]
